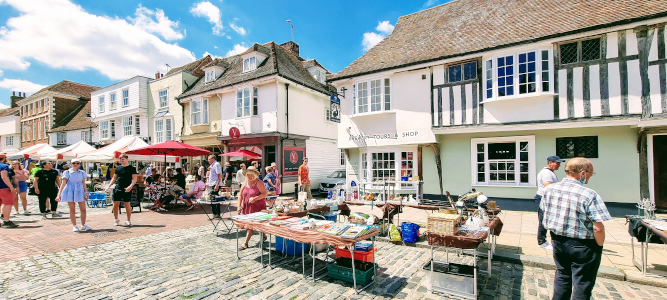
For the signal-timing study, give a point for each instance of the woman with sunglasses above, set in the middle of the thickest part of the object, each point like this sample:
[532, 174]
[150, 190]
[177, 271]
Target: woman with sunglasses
[73, 190]
[20, 176]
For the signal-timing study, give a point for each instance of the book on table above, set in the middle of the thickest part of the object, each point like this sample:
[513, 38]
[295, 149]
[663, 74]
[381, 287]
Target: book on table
[353, 232]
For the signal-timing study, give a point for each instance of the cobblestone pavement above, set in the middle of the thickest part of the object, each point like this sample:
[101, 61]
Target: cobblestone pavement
[194, 263]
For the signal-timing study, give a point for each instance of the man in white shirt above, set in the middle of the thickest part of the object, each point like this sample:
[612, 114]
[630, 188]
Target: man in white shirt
[546, 177]
[149, 171]
[240, 178]
[213, 182]
[201, 171]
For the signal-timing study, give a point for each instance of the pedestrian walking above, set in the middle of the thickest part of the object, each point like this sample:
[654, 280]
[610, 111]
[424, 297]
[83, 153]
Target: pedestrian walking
[21, 186]
[7, 192]
[240, 178]
[213, 183]
[126, 176]
[304, 181]
[252, 198]
[546, 177]
[46, 183]
[72, 191]
[574, 215]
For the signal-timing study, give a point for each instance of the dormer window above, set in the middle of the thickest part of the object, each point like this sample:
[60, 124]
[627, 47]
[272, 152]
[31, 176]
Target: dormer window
[210, 76]
[319, 75]
[249, 64]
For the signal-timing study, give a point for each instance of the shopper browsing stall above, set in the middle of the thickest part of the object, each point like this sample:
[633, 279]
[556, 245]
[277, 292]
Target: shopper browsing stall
[252, 199]
[7, 192]
[126, 176]
[270, 181]
[46, 184]
[20, 177]
[73, 190]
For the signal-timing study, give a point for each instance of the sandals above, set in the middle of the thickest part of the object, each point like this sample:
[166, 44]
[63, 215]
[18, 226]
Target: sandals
[243, 247]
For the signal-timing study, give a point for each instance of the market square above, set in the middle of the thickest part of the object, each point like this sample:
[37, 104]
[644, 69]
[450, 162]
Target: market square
[467, 149]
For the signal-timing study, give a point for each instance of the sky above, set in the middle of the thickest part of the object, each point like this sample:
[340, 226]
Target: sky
[43, 42]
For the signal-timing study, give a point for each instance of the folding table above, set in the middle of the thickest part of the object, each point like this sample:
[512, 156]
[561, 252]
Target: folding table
[229, 225]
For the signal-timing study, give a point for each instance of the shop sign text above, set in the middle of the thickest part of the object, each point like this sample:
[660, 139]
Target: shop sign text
[385, 136]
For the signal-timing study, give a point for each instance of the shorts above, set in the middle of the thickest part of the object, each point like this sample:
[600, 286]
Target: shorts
[228, 183]
[188, 197]
[23, 187]
[6, 197]
[121, 196]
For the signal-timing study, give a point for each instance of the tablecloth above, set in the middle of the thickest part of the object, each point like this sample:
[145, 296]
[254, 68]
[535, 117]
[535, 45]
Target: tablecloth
[301, 236]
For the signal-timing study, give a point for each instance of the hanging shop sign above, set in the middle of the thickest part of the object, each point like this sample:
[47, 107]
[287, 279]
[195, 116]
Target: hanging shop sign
[334, 109]
[292, 160]
[234, 133]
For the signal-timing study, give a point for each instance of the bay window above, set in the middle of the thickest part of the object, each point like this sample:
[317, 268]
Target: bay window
[168, 131]
[244, 106]
[128, 125]
[504, 161]
[199, 112]
[516, 75]
[373, 95]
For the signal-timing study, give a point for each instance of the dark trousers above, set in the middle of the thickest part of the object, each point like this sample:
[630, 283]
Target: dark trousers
[577, 262]
[51, 194]
[541, 231]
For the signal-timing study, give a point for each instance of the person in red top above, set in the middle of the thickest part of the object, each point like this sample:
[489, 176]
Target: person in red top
[304, 181]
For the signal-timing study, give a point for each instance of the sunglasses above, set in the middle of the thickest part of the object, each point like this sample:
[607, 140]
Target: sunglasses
[76, 163]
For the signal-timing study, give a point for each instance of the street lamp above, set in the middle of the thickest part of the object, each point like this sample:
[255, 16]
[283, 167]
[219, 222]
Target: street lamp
[92, 117]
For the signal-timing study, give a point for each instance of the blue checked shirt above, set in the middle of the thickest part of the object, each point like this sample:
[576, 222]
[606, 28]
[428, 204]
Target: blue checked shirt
[570, 209]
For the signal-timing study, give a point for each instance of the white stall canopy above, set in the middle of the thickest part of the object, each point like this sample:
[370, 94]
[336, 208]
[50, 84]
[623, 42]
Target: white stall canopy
[68, 152]
[33, 152]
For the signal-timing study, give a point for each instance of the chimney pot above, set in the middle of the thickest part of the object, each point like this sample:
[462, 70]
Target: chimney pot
[13, 93]
[157, 75]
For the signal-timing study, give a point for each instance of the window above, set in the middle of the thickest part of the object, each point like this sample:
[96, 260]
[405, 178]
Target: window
[126, 97]
[199, 112]
[505, 76]
[159, 131]
[580, 51]
[527, 73]
[364, 166]
[407, 161]
[489, 79]
[249, 64]
[507, 161]
[45, 127]
[383, 166]
[137, 126]
[85, 136]
[582, 146]
[9, 141]
[518, 74]
[31, 110]
[163, 98]
[342, 157]
[319, 75]
[34, 131]
[112, 101]
[168, 131]
[327, 114]
[462, 72]
[545, 71]
[210, 76]
[379, 93]
[101, 103]
[243, 104]
[62, 138]
[39, 106]
[104, 130]
[128, 125]
[39, 129]
[112, 130]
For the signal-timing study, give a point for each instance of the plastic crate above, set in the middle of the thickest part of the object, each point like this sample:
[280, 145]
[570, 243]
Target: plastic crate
[290, 247]
[342, 270]
[358, 255]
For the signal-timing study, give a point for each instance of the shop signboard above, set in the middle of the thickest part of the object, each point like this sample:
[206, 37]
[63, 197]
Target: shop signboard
[234, 133]
[334, 110]
[292, 160]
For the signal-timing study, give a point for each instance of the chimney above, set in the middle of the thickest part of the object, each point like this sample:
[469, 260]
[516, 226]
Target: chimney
[161, 75]
[292, 47]
[157, 75]
[13, 99]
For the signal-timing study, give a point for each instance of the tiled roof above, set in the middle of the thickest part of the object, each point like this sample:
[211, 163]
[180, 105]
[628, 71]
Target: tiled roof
[279, 61]
[468, 26]
[191, 67]
[73, 88]
[312, 63]
[10, 111]
[77, 119]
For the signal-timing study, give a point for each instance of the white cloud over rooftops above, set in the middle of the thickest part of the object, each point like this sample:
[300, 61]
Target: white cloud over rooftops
[240, 30]
[20, 85]
[371, 39]
[237, 49]
[211, 12]
[61, 34]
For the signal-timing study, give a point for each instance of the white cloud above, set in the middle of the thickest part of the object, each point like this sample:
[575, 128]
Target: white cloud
[373, 38]
[211, 12]
[4, 106]
[430, 3]
[240, 30]
[20, 85]
[385, 27]
[61, 34]
[156, 22]
[238, 48]
[213, 56]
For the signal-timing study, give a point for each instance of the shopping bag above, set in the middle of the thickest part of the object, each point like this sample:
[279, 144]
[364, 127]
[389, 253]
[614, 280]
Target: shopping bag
[410, 232]
[303, 196]
[394, 234]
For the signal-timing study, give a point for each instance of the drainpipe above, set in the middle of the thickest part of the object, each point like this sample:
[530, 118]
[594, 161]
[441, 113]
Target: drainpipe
[282, 140]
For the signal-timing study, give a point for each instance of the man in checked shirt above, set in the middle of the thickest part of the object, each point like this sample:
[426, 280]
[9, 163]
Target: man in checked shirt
[574, 214]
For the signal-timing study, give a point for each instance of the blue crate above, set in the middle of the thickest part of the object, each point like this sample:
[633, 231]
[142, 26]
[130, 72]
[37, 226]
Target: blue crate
[290, 247]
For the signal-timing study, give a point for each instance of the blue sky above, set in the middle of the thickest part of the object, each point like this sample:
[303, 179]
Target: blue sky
[102, 42]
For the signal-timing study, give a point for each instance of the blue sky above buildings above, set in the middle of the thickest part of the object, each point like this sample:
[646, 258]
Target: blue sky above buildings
[102, 42]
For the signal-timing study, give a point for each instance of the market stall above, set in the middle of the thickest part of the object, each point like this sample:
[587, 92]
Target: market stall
[32, 152]
[67, 153]
[647, 230]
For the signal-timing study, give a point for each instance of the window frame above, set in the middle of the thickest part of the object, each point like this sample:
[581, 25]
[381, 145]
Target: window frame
[104, 130]
[61, 138]
[203, 112]
[128, 125]
[85, 136]
[112, 129]
[168, 129]
[100, 104]
[126, 97]
[462, 64]
[539, 89]
[9, 141]
[253, 102]
[251, 65]
[137, 125]
[532, 175]
[385, 103]
[366, 164]
[575, 139]
[166, 98]
[579, 50]
[112, 101]
[159, 131]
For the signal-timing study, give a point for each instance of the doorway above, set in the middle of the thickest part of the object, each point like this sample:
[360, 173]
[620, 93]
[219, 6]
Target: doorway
[660, 170]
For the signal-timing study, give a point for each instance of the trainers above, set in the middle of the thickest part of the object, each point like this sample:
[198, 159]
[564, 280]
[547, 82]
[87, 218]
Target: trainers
[9, 224]
[128, 224]
[75, 228]
[161, 209]
[55, 216]
[216, 217]
[85, 227]
[191, 207]
[116, 222]
[44, 217]
[546, 246]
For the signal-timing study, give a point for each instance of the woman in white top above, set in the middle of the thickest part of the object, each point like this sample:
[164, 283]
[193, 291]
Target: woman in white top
[73, 190]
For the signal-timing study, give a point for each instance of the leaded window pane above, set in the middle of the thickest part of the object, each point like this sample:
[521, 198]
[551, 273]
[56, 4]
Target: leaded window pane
[470, 71]
[568, 53]
[590, 49]
[583, 146]
[455, 73]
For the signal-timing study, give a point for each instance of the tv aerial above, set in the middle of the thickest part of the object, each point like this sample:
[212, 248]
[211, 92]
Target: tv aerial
[293, 29]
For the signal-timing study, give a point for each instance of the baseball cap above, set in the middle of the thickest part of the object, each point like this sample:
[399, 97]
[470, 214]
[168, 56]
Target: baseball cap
[555, 158]
[3, 155]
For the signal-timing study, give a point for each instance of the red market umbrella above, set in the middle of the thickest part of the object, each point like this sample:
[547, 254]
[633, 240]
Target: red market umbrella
[242, 153]
[171, 148]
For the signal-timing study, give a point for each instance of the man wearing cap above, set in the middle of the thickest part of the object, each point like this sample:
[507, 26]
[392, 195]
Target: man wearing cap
[7, 192]
[546, 177]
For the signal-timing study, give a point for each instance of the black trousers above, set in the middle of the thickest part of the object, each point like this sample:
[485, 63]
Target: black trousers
[577, 263]
[48, 193]
[541, 231]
